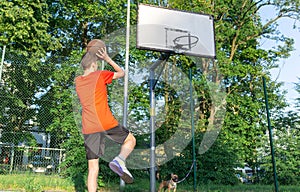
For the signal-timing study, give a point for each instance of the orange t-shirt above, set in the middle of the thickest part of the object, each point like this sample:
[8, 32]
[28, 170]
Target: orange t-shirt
[92, 93]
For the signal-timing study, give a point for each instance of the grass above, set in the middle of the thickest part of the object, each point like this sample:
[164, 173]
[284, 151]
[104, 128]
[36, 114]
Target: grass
[143, 185]
[35, 183]
[39, 183]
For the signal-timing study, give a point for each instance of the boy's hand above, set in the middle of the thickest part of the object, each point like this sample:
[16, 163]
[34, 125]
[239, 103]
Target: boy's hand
[102, 54]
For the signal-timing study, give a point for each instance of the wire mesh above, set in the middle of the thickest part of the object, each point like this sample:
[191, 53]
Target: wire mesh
[26, 142]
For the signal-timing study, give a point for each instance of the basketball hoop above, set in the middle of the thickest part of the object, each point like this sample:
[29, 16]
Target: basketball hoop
[185, 43]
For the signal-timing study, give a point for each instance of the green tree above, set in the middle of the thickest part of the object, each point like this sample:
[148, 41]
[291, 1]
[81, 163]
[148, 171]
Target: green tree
[286, 145]
[242, 70]
[24, 27]
[242, 63]
[24, 31]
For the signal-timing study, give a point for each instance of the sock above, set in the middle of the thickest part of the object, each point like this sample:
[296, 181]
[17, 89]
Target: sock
[120, 160]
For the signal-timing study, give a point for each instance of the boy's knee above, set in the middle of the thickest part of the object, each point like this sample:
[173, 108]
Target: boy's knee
[132, 139]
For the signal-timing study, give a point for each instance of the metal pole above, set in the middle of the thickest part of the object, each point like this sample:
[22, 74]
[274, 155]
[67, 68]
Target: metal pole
[152, 120]
[152, 131]
[270, 135]
[125, 109]
[12, 158]
[2, 61]
[193, 128]
[102, 65]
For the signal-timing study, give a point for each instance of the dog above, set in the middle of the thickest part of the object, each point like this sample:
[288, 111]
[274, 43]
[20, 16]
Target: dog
[169, 184]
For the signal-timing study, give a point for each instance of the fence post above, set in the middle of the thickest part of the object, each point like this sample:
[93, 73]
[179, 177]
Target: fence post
[270, 135]
[60, 158]
[12, 158]
[2, 61]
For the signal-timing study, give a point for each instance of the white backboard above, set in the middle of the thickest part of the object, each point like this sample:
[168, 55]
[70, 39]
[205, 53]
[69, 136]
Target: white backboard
[168, 30]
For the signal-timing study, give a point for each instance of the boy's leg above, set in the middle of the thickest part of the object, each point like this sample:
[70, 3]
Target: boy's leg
[94, 146]
[93, 167]
[127, 147]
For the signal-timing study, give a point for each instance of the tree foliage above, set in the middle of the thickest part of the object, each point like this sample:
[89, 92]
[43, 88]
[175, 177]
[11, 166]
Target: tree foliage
[286, 145]
[24, 27]
[24, 32]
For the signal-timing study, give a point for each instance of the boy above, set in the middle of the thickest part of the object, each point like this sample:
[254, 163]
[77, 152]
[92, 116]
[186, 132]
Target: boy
[98, 121]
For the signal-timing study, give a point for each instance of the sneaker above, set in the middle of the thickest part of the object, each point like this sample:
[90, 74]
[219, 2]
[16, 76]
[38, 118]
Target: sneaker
[120, 169]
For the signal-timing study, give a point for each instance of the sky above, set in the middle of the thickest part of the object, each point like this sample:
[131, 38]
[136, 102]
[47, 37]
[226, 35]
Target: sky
[289, 69]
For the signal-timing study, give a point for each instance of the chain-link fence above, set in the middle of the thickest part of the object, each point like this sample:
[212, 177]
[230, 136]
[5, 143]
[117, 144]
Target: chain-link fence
[17, 159]
[27, 142]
